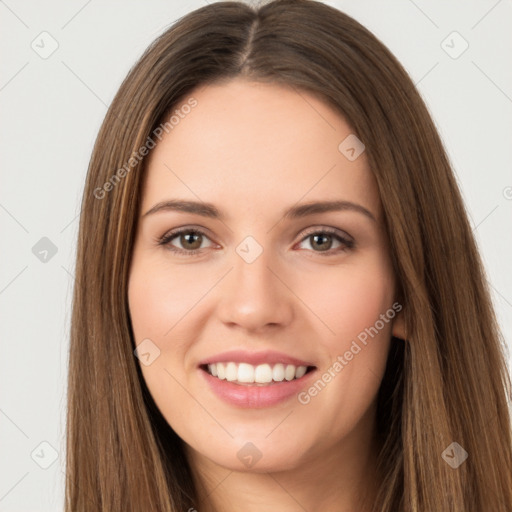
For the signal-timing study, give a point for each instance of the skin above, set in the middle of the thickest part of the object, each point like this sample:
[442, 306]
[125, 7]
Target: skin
[253, 150]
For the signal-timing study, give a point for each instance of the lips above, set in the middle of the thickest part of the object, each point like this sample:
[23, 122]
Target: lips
[255, 379]
[255, 358]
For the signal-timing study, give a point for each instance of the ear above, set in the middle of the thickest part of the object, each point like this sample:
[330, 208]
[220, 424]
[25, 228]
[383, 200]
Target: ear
[398, 329]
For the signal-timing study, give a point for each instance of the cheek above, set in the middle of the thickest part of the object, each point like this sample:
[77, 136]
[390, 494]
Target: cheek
[158, 311]
[164, 303]
[349, 300]
[156, 306]
[353, 303]
[159, 300]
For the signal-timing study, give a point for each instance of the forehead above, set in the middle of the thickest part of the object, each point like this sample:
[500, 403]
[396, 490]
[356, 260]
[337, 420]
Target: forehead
[252, 146]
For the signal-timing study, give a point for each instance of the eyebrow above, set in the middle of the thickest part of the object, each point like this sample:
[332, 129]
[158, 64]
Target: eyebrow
[303, 210]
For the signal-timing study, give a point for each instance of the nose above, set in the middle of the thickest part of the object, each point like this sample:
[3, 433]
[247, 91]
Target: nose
[254, 295]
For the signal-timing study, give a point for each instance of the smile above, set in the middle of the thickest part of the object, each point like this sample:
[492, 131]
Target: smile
[262, 374]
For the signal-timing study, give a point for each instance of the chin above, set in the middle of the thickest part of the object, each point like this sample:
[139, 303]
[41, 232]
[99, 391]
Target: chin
[254, 456]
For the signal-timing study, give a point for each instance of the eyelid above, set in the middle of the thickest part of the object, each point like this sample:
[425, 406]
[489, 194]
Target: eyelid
[347, 242]
[326, 229]
[173, 233]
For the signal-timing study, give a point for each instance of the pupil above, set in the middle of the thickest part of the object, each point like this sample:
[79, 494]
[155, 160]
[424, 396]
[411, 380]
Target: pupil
[194, 236]
[322, 246]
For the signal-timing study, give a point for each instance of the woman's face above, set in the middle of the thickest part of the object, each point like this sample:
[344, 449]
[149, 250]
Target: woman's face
[266, 286]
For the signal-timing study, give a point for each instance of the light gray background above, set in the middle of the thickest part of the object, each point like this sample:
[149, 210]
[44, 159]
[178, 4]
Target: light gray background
[51, 110]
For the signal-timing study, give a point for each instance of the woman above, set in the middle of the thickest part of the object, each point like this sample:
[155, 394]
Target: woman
[279, 301]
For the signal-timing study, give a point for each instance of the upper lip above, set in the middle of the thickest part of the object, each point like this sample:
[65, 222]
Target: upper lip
[254, 358]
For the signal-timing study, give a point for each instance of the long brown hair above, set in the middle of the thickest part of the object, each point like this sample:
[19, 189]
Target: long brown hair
[447, 382]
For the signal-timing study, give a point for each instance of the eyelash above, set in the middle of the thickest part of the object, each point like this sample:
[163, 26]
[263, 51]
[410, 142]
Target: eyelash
[166, 239]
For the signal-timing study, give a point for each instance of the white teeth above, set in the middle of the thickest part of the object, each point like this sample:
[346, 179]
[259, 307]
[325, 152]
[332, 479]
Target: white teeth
[245, 372]
[289, 372]
[263, 374]
[278, 372]
[231, 372]
[260, 374]
[301, 371]
[221, 374]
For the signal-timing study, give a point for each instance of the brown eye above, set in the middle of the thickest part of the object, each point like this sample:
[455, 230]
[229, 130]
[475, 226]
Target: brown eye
[328, 241]
[184, 241]
[322, 242]
[191, 240]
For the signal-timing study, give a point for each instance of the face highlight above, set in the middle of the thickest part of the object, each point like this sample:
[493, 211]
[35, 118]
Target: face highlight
[258, 237]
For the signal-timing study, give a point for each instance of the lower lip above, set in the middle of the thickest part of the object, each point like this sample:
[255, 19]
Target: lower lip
[253, 396]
